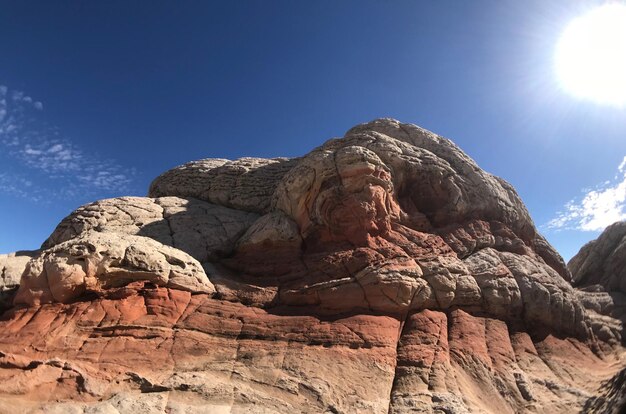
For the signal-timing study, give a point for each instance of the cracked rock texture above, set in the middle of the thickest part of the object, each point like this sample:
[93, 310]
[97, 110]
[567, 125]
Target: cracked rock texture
[383, 272]
[12, 266]
[603, 261]
[599, 271]
[95, 261]
[203, 230]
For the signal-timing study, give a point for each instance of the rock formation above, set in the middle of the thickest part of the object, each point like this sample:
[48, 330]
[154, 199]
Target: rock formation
[599, 273]
[94, 261]
[383, 272]
[11, 268]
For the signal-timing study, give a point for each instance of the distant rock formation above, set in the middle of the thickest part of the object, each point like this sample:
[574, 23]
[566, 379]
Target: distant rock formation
[602, 261]
[599, 271]
[383, 272]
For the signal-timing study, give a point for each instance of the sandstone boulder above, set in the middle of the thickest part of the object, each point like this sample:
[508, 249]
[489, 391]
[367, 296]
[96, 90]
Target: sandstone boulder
[12, 266]
[361, 217]
[95, 261]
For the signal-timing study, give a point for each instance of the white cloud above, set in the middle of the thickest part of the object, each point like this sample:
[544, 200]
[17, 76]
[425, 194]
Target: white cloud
[20, 186]
[3, 105]
[597, 209]
[52, 156]
[55, 166]
[29, 151]
[55, 148]
[17, 95]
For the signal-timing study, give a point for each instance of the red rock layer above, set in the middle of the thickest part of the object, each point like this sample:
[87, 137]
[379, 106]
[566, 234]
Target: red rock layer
[200, 351]
[170, 350]
[382, 272]
[452, 361]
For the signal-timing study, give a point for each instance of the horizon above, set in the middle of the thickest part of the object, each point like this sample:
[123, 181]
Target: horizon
[97, 100]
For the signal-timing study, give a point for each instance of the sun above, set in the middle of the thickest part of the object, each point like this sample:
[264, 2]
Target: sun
[591, 55]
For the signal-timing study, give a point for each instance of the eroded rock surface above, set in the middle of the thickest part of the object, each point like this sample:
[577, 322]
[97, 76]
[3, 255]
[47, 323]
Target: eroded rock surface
[12, 266]
[382, 272]
[599, 273]
[96, 261]
[245, 184]
[458, 363]
[165, 349]
[203, 230]
[612, 397]
[602, 261]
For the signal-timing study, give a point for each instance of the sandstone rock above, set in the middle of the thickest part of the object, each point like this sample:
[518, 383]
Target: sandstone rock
[203, 230]
[355, 203]
[382, 272]
[246, 184]
[447, 185]
[612, 396]
[160, 349]
[157, 349]
[599, 271]
[602, 261]
[95, 261]
[12, 266]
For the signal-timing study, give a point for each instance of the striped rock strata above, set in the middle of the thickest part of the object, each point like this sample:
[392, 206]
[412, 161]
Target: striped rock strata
[383, 272]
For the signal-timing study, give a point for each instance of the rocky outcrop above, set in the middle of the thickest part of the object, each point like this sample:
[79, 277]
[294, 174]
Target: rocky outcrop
[95, 261]
[203, 230]
[612, 396]
[455, 363]
[382, 272]
[599, 273]
[193, 353]
[153, 349]
[602, 261]
[12, 266]
[245, 184]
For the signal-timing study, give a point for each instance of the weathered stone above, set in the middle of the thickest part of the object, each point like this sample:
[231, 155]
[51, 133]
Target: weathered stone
[458, 363]
[203, 230]
[95, 261]
[192, 352]
[12, 266]
[246, 184]
[612, 396]
[382, 272]
[602, 261]
[599, 273]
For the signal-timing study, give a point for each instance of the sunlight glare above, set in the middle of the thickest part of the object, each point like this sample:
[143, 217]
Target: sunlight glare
[591, 55]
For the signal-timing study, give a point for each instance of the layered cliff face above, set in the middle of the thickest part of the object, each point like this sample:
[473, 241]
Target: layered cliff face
[382, 272]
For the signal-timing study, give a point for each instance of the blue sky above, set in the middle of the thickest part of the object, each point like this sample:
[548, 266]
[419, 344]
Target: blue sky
[98, 98]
